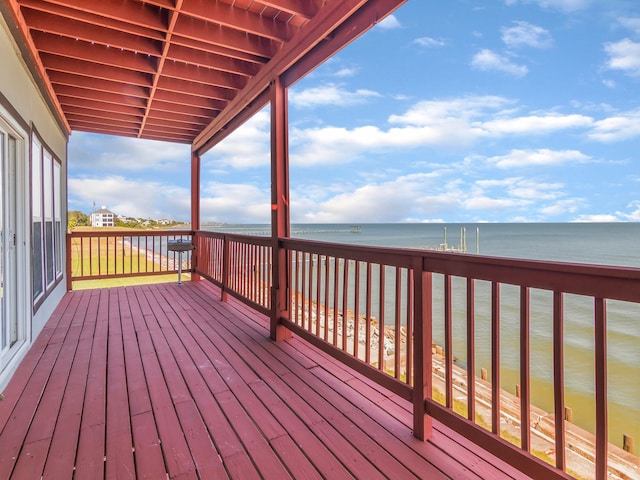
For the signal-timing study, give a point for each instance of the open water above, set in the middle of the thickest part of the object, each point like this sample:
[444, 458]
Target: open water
[605, 244]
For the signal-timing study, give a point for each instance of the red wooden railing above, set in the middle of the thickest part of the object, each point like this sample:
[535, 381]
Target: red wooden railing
[376, 309]
[239, 265]
[101, 254]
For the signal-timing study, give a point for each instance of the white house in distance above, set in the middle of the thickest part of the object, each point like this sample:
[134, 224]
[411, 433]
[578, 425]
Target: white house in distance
[103, 218]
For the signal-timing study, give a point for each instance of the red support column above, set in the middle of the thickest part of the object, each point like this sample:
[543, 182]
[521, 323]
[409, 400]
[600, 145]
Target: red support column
[280, 221]
[195, 208]
[422, 356]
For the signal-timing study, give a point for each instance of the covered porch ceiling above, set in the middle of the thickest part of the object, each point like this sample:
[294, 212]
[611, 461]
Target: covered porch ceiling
[188, 71]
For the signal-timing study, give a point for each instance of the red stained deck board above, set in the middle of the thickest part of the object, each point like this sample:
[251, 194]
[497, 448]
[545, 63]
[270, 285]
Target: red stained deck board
[208, 462]
[62, 453]
[294, 459]
[146, 441]
[119, 454]
[194, 389]
[256, 445]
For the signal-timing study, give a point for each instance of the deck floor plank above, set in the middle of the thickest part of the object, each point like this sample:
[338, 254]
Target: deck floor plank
[167, 381]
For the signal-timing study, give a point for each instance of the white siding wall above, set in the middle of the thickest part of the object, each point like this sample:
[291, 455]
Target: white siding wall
[21, 92]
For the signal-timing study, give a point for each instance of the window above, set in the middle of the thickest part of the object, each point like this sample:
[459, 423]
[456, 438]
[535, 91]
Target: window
[46, 220]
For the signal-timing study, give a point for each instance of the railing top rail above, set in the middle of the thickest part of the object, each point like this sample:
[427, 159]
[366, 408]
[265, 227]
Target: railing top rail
[237, 237]
[129, 233]
[612, 282]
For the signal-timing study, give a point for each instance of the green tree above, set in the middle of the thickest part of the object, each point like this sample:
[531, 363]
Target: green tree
[75, 218]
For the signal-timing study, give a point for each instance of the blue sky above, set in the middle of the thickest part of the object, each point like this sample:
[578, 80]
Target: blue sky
[449, 111]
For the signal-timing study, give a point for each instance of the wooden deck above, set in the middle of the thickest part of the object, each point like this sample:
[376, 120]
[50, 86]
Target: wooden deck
[165, 381]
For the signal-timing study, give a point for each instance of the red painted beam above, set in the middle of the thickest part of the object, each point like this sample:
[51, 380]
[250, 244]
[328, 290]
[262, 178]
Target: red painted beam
[94, 95]
[212, 60]
[330, 17]
[84, 15]
[223, 36]
[95, 70]
[95, 53]
[98, 84]
[206, 76]
[238, 19]
[90, 32]
[211, 94]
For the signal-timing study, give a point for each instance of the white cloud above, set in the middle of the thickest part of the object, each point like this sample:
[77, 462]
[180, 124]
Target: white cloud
[524, 34]
[533, 124]
[632, 23]
[489, 60]
[247, 147]
[409, 197]
[235, 203]
[543, 157]
[345, 72]
[90, 151]
[597, 218]
[615, 128]
[389, 23]
[329, 94]
[624, 55]
[131, 197]
[429, 42]
[563, 5]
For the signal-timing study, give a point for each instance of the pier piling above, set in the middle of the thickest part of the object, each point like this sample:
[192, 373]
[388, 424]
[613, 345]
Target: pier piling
[627, 444]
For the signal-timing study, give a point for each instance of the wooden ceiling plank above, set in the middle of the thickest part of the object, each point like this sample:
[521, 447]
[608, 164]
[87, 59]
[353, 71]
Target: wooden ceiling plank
[91, 33]
[88, 119]
[205, 46]
[95, 70]
[212, 60]
[200, 30]
[203, 75]
[198, 112]
[85, 51]
[238, 19]
[176, 99]
[199, 116]
[304, 8]
[97, 84]
[106, 97]
[97, 105]
[179, 86]
[159, 124]
[135, 13]
[90, 112]
[84, 16]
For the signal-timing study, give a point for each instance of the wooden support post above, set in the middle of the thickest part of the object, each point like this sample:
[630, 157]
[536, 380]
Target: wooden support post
[195, 210]
[280, 216]
[518, 393]
[69, 267]
[483, 374]
[422, 356]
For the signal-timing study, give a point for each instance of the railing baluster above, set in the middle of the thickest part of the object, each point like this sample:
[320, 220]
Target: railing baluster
[326, 297]
[410, 326]
[602, 428]
[345, 304]
[471, 351]
[368, 324]
[318, 292]
[558, 378]
[525, 368]
[381, 304]
[356, 311]
[336, 290]
[448, 343]
[398, 311]
[495, 358]
[303, 289]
